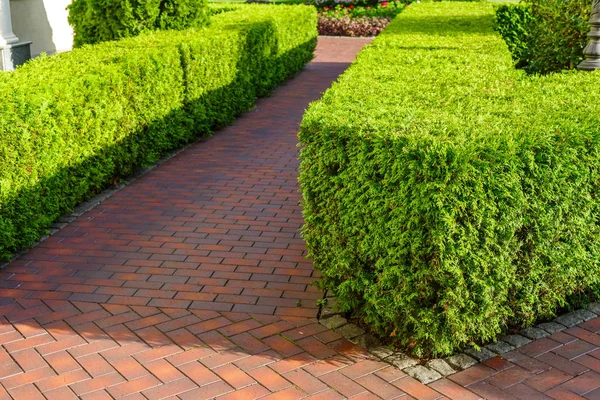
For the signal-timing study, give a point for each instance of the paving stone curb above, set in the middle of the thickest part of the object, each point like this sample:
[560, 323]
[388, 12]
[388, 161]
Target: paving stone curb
[433, 370]
[95, 201]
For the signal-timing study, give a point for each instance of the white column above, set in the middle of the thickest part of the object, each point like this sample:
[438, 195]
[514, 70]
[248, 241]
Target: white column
[6, 34]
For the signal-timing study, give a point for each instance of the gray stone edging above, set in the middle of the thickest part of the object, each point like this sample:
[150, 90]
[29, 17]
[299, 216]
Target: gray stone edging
[438, 368]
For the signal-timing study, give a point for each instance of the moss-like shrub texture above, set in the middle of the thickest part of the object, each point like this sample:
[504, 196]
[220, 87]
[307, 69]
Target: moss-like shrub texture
[73, 123]
[96, 21]
[558, 34]
[545, 35]
[448, 195]
[513, 22]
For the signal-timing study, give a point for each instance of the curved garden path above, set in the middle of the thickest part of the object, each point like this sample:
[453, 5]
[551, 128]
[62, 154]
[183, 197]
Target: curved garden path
[191, 283]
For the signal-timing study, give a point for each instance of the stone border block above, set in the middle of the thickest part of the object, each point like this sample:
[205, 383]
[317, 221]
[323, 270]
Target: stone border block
[461, 361]
[516, 340]
[423, 374]
[440, 366]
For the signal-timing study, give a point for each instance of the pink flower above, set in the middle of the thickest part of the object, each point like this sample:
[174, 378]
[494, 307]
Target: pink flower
[385, 3]
[351, 6]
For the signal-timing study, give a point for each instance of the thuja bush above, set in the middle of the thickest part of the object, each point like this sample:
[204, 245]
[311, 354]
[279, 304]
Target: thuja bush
[513, 23]
[545, 35]
[74, 123]
[96, 21]
[448, 195]
[558, 34]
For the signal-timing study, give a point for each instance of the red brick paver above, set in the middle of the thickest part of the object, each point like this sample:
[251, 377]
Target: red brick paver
[565, 365]
[192, 283]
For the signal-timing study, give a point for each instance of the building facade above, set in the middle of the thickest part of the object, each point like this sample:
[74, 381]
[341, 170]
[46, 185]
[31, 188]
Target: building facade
[31, 27]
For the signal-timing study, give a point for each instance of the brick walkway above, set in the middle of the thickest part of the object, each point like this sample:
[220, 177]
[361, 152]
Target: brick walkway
[192, 283]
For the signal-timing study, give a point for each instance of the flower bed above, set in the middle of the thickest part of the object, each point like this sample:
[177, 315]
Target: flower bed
[356, 19]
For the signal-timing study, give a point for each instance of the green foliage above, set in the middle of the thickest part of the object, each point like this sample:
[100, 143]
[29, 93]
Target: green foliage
[448, 195]
[559, 34]
[182, 14]
[73, 123]
[97, 21]
[545, 35]
[513, 23]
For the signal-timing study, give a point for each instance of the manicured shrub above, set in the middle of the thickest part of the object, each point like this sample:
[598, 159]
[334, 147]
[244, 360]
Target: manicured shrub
[97, 21]
[513, 23]
[74, 123]
[558, 34]
[545, 35]
[182, 14]
[448, 195]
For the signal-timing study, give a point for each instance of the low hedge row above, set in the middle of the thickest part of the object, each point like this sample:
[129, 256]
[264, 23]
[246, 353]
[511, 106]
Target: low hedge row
[96, 21]
[73, 123]
[448, 195]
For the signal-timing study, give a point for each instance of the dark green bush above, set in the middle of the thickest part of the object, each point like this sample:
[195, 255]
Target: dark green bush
[182, 14]
[448, 195]
[73, 123]
[97, 21]
[513, 23]
[558, 34]
[545, 35]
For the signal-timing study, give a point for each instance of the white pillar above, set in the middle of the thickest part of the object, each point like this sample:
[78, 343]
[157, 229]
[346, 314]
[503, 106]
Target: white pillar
[7, 36]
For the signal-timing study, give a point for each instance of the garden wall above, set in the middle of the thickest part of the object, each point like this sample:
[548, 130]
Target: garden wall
[448, 195]
[75, 122]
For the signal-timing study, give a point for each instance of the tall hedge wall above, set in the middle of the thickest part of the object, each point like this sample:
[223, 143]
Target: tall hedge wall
[448, 195]
[74, 122]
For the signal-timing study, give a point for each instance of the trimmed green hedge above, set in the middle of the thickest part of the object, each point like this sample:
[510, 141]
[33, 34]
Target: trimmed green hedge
[96, 21]
[545, 35]
[513, 23]
[73, 123]
[448, 195]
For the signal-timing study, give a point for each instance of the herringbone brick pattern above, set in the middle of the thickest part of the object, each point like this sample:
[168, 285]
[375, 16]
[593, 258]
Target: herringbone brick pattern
[565, 365]
[192, 283]
[71, 349]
